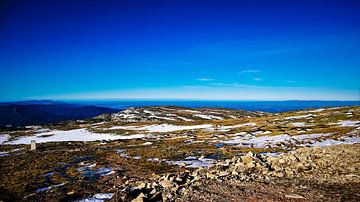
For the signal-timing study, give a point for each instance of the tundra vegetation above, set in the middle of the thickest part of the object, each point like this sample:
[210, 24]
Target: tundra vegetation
[172, 153]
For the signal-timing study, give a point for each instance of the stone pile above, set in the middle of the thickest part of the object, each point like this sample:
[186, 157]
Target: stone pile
[248, 168]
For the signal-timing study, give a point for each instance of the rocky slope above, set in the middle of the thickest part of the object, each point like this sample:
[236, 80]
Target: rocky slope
[169, 113]
[307, 174]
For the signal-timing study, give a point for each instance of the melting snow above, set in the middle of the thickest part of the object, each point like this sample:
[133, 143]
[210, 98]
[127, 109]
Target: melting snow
[189, 111]
[90, 173]
[317, 110]
[299, 117]
[193, 162]
[4, 138]
[348, 123]
[153, 159]
[210, 117]
[4, 154]
[298, 124]
[162, 127]
[149, 112]
[162, 117]
[70, 135]
[262, 132]
[329, 142]
[99, 197]
[238, 126]
[169, 128]
[260, 142]
[183, 118]
[274, 154]
[48, 188]
[311, 136]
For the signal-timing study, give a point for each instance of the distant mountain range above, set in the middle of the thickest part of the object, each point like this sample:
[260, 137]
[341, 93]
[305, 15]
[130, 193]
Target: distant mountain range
[38, 112]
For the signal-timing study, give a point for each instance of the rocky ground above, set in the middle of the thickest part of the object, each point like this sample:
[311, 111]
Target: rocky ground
[170, 113]
[180, 154]
[328, 174]
[309, 174]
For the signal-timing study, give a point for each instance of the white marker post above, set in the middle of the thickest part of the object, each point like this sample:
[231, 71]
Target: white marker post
[33, 145]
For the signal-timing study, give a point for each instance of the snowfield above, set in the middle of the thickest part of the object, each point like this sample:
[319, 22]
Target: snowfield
[70, 135]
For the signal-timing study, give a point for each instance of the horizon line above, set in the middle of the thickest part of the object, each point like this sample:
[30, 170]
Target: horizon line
[181, 99]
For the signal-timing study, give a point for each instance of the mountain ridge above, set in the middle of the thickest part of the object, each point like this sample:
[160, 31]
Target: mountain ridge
[14, 115]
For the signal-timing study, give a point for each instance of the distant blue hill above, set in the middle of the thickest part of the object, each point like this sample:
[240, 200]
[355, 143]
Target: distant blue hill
[45, 111]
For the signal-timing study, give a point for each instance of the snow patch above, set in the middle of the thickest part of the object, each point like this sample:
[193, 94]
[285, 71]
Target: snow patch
[48, 188]
[4, 138]
[71, 135]
[263, 141]
[4, 154]
[238, 126]
[100, 197]
[193, 162]
[298, 124]
[348, 123]
[299, 117]
[317, 110]
[162, 127]
[329, 142]
[209, 117]
[311, 136]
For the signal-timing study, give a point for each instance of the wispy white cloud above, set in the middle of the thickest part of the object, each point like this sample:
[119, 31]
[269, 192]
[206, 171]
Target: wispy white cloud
[291, 81]
[257, 79]
[205, 79]
[236, 85]
[249, 71]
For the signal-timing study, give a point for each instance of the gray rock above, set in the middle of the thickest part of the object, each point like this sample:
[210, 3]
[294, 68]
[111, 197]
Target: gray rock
[139, 198]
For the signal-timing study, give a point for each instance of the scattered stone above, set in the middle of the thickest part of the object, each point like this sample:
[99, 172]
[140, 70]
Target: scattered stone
[294, 196]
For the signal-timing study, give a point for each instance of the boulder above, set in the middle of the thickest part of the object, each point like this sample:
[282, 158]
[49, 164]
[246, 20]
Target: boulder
[247, 159]
[166, 183]
[139, 198]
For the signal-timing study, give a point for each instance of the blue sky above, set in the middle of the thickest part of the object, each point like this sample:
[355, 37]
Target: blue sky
[236, 50]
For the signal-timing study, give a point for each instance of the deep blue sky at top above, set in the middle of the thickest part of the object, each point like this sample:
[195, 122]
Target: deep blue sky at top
[261, 50]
